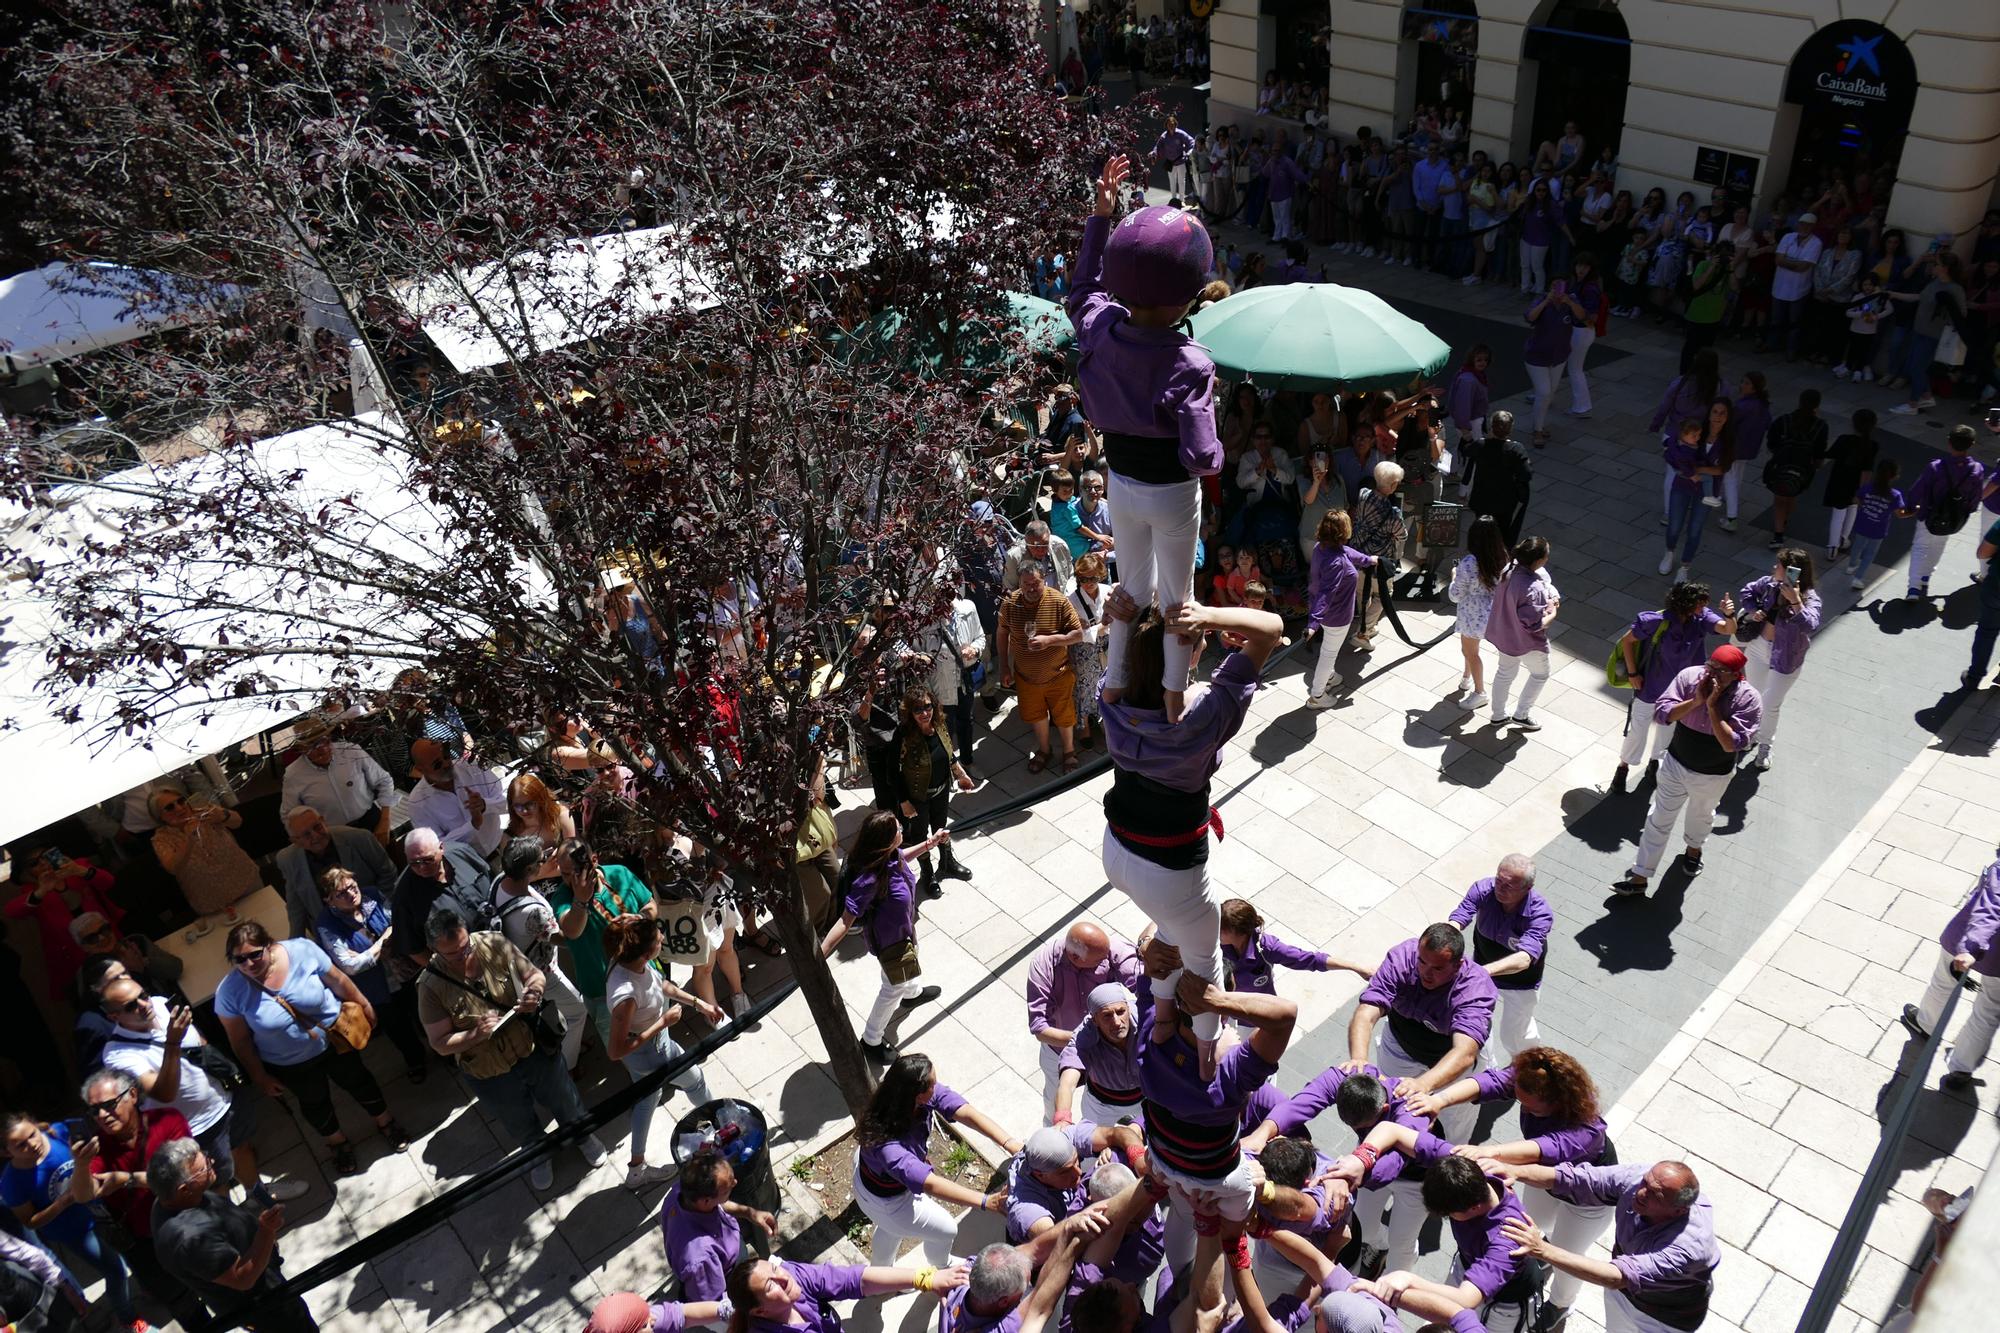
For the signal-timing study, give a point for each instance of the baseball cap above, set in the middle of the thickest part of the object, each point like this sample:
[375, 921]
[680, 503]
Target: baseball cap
[1729, 656]
[1809, 218]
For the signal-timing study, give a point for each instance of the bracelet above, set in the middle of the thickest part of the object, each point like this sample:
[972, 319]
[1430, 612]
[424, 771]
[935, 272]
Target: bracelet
[1369, 1155]
[922, 1282]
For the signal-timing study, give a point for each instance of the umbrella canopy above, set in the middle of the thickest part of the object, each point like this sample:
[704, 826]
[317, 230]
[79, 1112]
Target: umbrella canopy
[1044, 324]
[1317, 335]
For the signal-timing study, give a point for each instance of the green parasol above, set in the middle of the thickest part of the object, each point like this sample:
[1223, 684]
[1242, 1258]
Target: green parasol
[1044, 323]
[1317, 335]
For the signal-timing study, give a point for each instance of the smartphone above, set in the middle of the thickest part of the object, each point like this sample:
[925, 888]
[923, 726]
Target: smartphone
[1321, 460]
[52, 857]
[1993, 417]
[1792, 575]
[78, 1130]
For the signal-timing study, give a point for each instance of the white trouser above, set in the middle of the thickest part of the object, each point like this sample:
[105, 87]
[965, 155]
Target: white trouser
[1732, 489]
[908, 1216]
[1398, 1238]
[1621, 1316]
[1230, 1195]
[1274, 1272]
[1976, 1037]
[1177, 180]
[893, 993]
[1771, 685]
[1579, 387]
[1534, 268]
[1840, 525]
[1183, 908]
[1569, 1227]
[1157, 524]
[1499, 1316]
[1678, 787]
[1051, 1075]
[1514, 1028]
[1510, 666]
[1926, 549]
[1331, 640]
[1644, 738]
[1281, 222]
[570, 1004]
[1546, 379]
[1101, 1112]
[1454, 1122]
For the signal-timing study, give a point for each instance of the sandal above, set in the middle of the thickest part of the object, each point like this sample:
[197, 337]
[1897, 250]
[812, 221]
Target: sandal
[760, 940]
[344, 1163]
[1070, 763]
[1037, 762]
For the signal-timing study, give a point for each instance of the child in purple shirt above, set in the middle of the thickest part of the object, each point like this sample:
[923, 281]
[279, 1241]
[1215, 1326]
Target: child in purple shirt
[1875, 504]
[1330, 599]
[1251, 951]
[1149, 388]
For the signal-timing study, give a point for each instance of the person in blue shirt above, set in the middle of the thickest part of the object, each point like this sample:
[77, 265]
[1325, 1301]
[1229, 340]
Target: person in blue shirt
[35, 1184]
[1065, 518]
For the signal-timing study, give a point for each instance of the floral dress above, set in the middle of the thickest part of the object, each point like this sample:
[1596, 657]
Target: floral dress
[1473, 598]
[1086, 658]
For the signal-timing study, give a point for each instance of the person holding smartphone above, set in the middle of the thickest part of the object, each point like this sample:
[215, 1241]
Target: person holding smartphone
[1786, 611]
[59, 893]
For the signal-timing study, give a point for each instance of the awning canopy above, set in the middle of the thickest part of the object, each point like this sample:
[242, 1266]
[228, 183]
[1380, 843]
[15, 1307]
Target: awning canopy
[59, 311]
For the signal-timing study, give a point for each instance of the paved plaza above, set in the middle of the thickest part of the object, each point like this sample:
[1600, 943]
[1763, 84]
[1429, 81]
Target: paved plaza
[1744, 1021]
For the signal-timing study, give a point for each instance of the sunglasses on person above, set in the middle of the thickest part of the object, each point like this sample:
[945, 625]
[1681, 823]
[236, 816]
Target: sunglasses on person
[108, 1108]
[921, 710]
[140, 1005]
[250, 959]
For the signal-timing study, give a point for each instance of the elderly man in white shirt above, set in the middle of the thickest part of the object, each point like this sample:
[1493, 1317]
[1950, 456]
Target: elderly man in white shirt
[462, 801]
[338, 779]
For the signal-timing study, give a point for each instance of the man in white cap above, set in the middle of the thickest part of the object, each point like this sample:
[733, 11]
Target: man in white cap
[1046, 1181]
[1791, 285]
[1061, 976]
[338, 779]
[1101, 1063]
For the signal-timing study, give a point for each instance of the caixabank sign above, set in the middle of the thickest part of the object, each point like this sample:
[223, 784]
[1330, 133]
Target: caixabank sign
[1856, 68]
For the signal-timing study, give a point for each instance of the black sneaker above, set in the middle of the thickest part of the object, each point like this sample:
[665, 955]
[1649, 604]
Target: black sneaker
[1630, 887]
[1652, 771]
[344, 1162]
[1371, 1262]
[953, 870]
[1954, 1081]
[924, 996]
[1618, 781]
[1691, 864]
[881, 1052]
[1777, 540]
[1913, 1023]
[1525, 723]
[1551, 1318]
[928, 888]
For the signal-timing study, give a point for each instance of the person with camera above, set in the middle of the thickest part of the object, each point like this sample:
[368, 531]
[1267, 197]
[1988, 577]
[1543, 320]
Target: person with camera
[1783, 610]
[531, 924]
[482, 1005]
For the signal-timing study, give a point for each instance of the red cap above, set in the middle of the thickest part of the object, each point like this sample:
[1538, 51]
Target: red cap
[1730, 657]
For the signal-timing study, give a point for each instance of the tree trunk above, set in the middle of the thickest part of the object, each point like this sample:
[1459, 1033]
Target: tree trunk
[850, 1068]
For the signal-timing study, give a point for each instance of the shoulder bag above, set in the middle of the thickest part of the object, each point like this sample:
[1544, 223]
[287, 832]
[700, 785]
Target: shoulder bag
[220, 1069]
[349, 1030]
[546, 1023]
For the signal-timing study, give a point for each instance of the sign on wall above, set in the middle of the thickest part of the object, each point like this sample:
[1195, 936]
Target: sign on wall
[1710, 164]
[1858, 69]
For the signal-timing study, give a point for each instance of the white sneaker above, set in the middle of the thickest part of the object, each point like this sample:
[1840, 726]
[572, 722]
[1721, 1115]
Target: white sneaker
[593, 1151]
[639, 1175]
[1406, 263]
[1681, 576]
[1318, 702]
[1473, 702]
[1865, 375]
[1468, 280]
[1763, 759]
[1368, 253]
[1711, 501]
[740, 1005]
[1840, 372]
[542, 1177]
[1904, 410]
[1388, 259]
[1465, 684]
[1667, 563]
[1857, 585]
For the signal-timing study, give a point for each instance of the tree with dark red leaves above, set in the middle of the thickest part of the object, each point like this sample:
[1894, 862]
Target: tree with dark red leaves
[324, 202]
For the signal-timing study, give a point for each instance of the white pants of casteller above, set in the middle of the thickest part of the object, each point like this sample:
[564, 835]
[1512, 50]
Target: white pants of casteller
[1976, 1037]
[1177, 181]
[1157, 525]
[1771, 686]
[1184, 909]
[892, 994]
[1621, 1316]
[1514, 1027]
[1732, 489]
[1645, 739]
[1101, 1112]
[1569, 1227]
[1926, 549]
[1678, 787]
[1398, 1237]
[1537, 664]
[1454, 1122]
[1580, 340]
[1051, 1075]
[908, 1216]
[570, 1004]
[1281, 223]
[1331, 639]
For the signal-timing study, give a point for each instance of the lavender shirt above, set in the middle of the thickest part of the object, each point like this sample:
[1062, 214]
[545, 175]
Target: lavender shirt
[1309, 1101]
[906, 1160]
[1330, 592]
[1942, 475]
[1975, 926]
[953, 1317]
[1170, 1074]
[1469, 401]
[1743, 710]
[1104, 1064]
[1250, 970]
[1285, 175]
[1549, 336]
[1556, 1142]
[701, 1247]
[1684, 644]
[1139, 381]
[1321, 1224]
[1172, 145]
[894, 903]
[1655, 1259]
[1792, 633]
[1465, 1006]
[1524, 929]
[1752, 418]
[1515, 625]
[1030, 1200]
[1683, 458]
[1681, 401]
[1183, 755]
[1292, 1313]
[1059, 991]
[818, 1284]
[1139, 1255]
[1484, 1255]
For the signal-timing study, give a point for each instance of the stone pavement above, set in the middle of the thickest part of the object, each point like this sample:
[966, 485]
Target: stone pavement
[1356, 827]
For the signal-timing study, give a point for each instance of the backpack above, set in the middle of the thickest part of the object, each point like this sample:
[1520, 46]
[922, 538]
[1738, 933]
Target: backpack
[1614, 667]
[1947, 514]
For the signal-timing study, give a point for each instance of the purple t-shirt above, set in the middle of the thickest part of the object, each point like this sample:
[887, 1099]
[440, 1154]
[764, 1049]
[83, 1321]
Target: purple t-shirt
[1683, 458]
[1308, 1102]
[1463, 1006]
[1135, 380]
[894, 917]
[1139, 1254]
[1792, 630]
[1330, 590]
[1185, 754]
[1684, 644]
[1752, 418]
[1250, 970]
[1030, 1200]
[1292, 1313]
[1657, 1259]
[1743, 709]
[1942, 476]
[1485, 1256]
[1170, 1074]
[1557, 1142]
[1975, 926]
[905, 1161]
[1105, 1065]
[1549, 335]
[1876, 507]
[818, 1284]
[1321, 1224]
[1520, 602]
[1523, 929]
[701, 1247]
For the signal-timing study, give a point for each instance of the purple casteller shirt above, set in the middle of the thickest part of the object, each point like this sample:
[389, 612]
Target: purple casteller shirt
[1301, 1108]
[1469, 401]
[892, 894]
[1321, 1224]
[1139, 1256]
[1059, 991]
[1087, 1275]
[818, 1284]
[1752, 419]
[1104, 1064]
[701, 1247]
[1484, 1255]
[1030, 1200]
[1557, 1142]
[1549, 336]
[905, 1161]
[1250, 969]
[1975, 927]
[1172, 146]
[1683, 458]
[1684, 644]
[1139, 381]
[1525, 929]
[1183, 755]
[953, 1317]
[1330, 591]
[1743, 710]
[1672, 1257]
[1170, 1076]
[1519, 603]
[1957, 472]
[1259, 1107]
[1465, 1006]
[1793, 632]
[1285, 175]
[668, 1316]
[1292, 1313]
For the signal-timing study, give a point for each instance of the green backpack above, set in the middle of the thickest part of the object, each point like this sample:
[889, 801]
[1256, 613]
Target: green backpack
[1614, 666]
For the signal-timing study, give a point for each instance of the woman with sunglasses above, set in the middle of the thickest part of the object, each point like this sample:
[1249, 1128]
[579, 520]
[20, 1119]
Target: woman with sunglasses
[929, 768]
[278, 1004]
[60, 893]
[195, 845]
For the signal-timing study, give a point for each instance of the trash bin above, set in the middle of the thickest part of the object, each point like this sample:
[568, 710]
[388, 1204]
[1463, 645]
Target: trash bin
[737, 1129]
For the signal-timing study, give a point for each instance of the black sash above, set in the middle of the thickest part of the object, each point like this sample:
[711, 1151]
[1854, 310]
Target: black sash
[1140, 805]
[1418, 1041]
[1699, 752]
[1485, 950]
[1206, 1152]
[1153, 459]
[1115, 1096]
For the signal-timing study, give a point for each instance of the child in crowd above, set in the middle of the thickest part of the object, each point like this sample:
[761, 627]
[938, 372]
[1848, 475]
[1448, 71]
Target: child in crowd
[1093, 513]
[1870, 306]
[1250, 951]
[1219, 593]
[1065, 522]
[1331, 598]
[1256, 597]
[1150, 391]
[1245, 574]
[1877, 502]
[1848, 461]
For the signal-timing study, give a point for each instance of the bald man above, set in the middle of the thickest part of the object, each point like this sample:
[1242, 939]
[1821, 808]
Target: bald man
[1663, 1254]
[462, 801]
[1061, 976]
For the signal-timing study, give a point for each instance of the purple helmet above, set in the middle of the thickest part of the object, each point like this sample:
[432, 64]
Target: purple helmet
[1158, 256]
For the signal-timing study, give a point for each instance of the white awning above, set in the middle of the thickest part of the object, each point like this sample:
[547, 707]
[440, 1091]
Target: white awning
[61, 311]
